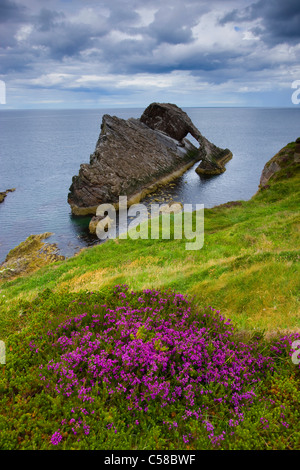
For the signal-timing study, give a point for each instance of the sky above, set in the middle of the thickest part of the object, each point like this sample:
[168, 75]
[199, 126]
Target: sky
[130, 53]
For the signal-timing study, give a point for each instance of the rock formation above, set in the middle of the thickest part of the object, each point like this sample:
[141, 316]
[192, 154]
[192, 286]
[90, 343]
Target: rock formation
[104, 221]
[3, 194]
[297, 151]
[29, 256]
[284, 161]
[133, 156]
[213, 159]
[170, 119]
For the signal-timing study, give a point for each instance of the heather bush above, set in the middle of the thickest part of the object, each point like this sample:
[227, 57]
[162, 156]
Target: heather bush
[144, 370]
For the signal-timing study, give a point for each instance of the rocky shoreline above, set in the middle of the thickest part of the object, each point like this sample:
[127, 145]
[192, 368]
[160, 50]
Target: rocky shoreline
[34, 253]
[30, 255]
[3, 194]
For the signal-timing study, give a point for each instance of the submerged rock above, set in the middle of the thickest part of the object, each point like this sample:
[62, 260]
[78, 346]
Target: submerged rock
[133, 156]
[102, 222]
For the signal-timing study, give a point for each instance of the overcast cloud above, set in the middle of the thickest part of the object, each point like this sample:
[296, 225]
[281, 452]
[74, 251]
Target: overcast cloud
[128, 53]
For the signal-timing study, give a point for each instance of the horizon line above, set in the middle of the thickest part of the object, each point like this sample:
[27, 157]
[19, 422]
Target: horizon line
[144, 107]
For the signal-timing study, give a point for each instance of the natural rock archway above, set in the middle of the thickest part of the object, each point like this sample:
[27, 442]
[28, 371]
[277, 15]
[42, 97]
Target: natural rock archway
[173, 121]
[133, 156]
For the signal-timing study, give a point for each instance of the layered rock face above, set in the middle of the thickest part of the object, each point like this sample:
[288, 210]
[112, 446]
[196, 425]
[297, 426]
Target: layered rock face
[175, 122]
[133, 156]
[213, 159]
[170, 119]
[287, 159]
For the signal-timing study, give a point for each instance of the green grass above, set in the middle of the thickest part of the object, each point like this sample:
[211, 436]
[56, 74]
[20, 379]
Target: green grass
[248, 269]
[248, 266]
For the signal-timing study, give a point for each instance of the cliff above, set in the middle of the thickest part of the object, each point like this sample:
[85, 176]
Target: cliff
[283, 164]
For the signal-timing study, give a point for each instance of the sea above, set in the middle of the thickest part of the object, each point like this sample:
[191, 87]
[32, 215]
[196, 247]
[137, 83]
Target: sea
[41, 150]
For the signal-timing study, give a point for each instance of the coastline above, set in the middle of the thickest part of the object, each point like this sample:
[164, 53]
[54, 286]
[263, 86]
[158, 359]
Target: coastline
[286, 154]
[248, 243]
[3, 194]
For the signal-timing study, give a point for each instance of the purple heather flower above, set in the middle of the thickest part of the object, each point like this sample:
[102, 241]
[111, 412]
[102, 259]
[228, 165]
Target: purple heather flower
[56, 438]
[156, 352]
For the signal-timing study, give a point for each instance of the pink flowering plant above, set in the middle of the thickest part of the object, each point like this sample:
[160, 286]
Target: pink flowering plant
[152, 369]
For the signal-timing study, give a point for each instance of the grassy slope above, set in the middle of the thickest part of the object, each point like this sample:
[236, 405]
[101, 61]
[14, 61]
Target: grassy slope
[248, 267]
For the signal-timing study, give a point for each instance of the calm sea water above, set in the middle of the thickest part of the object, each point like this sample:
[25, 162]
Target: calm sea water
[40, 151]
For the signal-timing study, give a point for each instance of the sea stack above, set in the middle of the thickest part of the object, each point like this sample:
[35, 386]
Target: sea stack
[132, 157]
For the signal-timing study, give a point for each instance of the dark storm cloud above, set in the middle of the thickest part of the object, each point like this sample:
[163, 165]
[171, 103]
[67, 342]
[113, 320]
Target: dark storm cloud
[47, 19]
[16, 63]
[11, 11]
[7, 39]
[55, 36]
[63, 40]
[173, 25]
[195, 62]
[280, 19]
[12, 16]
[122, 16]
[68, 44]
